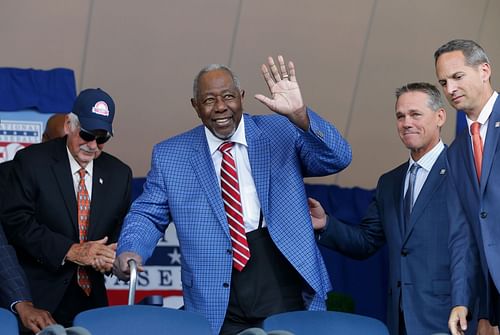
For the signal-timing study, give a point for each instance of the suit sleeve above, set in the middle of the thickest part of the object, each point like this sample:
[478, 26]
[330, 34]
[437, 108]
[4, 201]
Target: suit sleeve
[13, 283]
[464, 259]
[356, 241]
[322, 149]
[148, 217]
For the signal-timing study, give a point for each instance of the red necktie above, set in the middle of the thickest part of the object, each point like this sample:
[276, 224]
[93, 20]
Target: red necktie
[83, 225]
[477, 144]
[232, 204]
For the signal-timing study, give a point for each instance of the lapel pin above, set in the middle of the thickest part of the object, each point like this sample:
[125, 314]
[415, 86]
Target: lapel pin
[442, 171]
[101, 181]
[497, 124]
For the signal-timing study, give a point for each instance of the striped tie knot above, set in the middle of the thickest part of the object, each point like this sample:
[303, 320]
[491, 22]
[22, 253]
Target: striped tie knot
[226, 147]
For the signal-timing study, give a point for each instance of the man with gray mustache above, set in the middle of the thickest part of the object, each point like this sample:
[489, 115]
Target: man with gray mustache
[66, 209]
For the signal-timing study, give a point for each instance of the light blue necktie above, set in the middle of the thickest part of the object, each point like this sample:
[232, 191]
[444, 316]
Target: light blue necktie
[410, 193]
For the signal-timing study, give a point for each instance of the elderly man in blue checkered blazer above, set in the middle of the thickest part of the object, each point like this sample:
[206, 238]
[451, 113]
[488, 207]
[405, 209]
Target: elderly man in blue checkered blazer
[272, 154]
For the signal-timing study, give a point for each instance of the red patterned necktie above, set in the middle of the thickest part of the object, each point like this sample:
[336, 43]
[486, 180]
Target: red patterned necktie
[232, 204]
[477, 144]
[83, 225]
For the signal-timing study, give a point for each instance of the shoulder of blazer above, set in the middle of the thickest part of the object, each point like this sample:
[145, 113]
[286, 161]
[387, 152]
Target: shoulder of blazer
[396, 173]
[458, 144]
[56, 149]
[109, 161]
[267, 122]
[184, 139]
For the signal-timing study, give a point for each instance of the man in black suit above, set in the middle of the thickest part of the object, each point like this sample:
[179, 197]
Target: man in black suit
[63, 243]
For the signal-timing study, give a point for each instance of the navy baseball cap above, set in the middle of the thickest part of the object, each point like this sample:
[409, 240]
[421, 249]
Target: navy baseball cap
[95, 110]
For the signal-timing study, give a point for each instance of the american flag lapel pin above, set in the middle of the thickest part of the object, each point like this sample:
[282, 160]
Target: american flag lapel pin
[442, 171]
[101, 181]
[497, 124]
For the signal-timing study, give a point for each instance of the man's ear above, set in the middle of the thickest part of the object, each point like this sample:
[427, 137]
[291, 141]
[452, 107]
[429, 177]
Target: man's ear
[485, 69]
[195, 106]
[441, 117]
[66, 124]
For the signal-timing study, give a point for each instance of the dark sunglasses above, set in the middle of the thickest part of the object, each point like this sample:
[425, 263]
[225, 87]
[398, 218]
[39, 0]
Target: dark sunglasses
[87, 136]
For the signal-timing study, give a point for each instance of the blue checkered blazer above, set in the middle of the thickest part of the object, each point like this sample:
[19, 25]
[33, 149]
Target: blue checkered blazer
[14, 286]
[13, 283]
[182, 187]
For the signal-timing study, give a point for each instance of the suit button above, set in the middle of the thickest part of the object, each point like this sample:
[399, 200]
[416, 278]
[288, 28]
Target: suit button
[484, 215]
[229, 251]
[398, 284]
[404, 252]
[225, 285]
[65, 281]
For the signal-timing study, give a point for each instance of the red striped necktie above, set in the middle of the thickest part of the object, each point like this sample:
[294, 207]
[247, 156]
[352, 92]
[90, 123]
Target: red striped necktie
[232, 204]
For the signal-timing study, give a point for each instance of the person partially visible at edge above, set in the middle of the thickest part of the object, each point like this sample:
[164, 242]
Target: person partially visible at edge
[464, 73]
[54, 127]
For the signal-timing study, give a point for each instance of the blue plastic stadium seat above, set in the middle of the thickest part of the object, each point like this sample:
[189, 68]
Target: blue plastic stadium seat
[325, 323]
[8, 322]
[139, 319]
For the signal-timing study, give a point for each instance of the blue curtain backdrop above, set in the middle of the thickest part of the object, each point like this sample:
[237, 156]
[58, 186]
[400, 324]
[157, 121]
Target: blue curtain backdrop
[47, 91]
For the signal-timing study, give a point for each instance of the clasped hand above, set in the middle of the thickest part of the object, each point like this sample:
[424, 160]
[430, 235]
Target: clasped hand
[93, 253]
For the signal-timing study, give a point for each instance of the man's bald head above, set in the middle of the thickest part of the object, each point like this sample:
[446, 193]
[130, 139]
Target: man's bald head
[54, 128]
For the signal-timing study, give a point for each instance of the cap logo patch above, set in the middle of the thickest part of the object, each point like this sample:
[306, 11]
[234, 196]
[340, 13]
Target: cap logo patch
[101, 108]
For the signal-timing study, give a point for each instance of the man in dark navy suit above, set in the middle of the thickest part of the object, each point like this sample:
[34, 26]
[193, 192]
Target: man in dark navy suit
[408, 213]
[464, 72]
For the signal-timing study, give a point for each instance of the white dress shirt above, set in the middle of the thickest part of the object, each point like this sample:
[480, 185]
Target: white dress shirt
[75, 167]
[483, 118]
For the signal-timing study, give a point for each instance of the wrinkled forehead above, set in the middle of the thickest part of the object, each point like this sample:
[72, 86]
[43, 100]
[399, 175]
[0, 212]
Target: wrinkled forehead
[215, 81]
[412, 100]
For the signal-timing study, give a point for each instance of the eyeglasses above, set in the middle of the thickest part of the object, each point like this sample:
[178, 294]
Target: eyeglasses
[87, 136]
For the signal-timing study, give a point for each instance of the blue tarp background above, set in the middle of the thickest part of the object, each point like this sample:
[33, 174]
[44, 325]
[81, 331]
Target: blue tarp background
[47, 91]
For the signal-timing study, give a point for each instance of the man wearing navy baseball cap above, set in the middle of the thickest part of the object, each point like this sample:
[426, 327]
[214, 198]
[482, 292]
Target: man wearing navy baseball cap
[95, 110]
[67, 205]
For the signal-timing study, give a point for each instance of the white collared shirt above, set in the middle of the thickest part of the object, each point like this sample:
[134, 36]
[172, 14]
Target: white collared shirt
[483, 118]
[426, 163]
[75, 167]
[249, 199]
